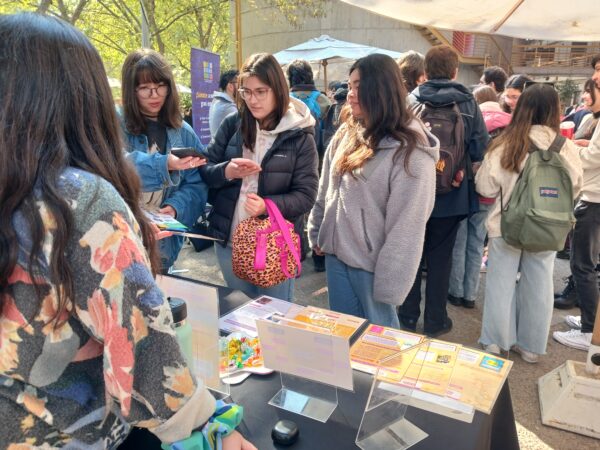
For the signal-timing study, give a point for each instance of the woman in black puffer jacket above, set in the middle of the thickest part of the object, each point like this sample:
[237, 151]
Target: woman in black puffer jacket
[267, 150]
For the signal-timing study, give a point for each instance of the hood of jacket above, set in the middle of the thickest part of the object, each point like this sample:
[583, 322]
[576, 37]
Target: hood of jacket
[495, 119]
[223, 95]
[442, 92]
[298, 116]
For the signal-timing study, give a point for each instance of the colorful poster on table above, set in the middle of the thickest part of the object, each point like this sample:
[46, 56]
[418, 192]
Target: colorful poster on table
[205, 74]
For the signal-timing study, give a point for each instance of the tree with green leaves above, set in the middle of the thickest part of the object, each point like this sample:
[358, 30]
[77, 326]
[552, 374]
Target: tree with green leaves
[115, 26]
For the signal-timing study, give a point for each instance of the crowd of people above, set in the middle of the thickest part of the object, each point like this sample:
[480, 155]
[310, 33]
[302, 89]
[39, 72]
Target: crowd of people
[399, 171]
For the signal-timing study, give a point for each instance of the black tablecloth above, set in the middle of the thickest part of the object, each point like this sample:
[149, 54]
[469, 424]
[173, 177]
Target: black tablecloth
[494, 431]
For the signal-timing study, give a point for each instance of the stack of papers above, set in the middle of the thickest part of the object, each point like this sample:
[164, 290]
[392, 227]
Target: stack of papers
[435, 367]
[330, 322]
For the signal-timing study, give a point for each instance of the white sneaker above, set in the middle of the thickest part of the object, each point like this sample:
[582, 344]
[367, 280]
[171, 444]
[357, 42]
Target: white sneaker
[573, 321]
[492, 348]
[526, 356]
[574, 339]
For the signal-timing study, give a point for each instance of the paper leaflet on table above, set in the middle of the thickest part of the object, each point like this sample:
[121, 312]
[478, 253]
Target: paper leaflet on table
[167, 223]
[337, 323]
[449, 371]
[243, 318]
[377, 343]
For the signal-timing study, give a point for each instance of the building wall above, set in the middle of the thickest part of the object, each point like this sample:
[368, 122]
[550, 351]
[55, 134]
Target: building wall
[265, 29]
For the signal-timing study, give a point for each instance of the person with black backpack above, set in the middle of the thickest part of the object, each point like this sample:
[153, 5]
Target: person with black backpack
[534, 174]
[449, 110]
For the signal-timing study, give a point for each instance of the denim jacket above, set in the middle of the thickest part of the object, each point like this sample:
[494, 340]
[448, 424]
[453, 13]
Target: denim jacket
[185, 190]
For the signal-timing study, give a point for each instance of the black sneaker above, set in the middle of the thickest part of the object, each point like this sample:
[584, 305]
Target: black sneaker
[456, 301]
[443, 330]
[564, 254]
[408, 324]
[469, 304]
[567, 299]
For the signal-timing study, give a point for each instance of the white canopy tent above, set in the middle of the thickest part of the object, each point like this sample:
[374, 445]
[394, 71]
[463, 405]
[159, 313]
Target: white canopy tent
[324, 49]
[560, 20]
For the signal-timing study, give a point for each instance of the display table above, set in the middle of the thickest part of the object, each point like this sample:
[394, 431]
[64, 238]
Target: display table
[494, 431]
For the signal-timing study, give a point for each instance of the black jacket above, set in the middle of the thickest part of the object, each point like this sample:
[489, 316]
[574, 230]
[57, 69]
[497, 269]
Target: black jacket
[290, 179]
[464, 200]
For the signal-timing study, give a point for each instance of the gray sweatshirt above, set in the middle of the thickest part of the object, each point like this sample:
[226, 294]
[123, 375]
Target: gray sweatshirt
[375, 219]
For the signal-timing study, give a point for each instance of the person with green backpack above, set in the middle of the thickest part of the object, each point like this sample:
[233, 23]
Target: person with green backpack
[534, 174]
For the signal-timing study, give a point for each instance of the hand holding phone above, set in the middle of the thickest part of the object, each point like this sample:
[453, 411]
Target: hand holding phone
[185, 158]
[183, 152]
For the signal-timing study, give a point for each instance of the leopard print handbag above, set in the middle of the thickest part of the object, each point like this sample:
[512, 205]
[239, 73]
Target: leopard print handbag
[266, 252]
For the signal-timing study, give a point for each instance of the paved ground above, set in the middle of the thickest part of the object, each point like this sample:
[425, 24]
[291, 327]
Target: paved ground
[311, 290]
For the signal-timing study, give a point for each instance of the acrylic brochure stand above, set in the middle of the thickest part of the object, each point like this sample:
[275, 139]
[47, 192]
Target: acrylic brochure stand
[203, 315]
[313, 363]
[402, 381]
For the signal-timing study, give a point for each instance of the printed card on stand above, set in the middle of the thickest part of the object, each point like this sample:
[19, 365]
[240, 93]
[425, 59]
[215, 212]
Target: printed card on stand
[310, 354]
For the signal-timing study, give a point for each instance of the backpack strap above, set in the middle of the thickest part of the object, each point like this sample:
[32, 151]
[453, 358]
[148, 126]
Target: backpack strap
[555, 146]
[557, 143]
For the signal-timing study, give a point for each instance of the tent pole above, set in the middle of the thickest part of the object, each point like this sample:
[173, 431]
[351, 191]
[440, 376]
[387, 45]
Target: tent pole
[324, 63]
[507, 16]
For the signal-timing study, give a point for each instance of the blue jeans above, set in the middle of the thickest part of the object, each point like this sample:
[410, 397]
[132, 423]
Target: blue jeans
[282, 291]
[467, 255]
[351, 292]
[517, 313]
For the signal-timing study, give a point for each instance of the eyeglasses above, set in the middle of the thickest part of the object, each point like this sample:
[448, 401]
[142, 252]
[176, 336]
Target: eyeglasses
[259, 94]
[162, 90]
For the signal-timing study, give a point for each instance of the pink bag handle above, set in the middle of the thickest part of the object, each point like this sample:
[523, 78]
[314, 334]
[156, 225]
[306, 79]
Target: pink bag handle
[277, 223]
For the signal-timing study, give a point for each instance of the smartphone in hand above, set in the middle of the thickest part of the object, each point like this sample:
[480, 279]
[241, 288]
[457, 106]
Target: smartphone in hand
[183, 152]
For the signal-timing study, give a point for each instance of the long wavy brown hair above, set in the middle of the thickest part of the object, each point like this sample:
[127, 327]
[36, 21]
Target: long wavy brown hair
[382, 99]
[56, 111]
[537, 105]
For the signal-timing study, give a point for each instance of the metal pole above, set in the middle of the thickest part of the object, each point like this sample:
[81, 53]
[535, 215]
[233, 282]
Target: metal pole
[238, 32]
[145, 30]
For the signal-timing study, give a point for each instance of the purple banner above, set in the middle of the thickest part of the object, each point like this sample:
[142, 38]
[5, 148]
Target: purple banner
[205, 81]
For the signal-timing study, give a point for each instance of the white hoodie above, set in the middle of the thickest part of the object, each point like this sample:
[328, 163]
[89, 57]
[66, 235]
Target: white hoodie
[590, 160]
[297, 116]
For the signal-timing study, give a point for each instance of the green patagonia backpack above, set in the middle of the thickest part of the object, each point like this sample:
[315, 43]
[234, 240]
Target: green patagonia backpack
[539, 214]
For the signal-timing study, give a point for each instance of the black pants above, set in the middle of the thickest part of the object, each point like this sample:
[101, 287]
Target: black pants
[440, 234]
[585, 246]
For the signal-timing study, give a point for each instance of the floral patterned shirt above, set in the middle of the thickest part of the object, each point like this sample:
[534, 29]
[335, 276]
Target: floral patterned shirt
[116, 361]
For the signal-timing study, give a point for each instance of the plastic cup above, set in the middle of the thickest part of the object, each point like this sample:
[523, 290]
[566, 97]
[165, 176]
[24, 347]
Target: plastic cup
[567, 129]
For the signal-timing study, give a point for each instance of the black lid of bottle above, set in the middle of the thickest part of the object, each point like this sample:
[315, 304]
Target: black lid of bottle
[178, 309]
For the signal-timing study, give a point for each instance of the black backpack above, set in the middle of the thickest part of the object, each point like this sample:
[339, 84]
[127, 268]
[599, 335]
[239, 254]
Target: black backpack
[446, 123]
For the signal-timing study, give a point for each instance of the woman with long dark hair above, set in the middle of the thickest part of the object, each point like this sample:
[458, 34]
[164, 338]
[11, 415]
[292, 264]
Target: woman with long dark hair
[517, 315]
[376, 193]
[87, 347]
[153, 126]
[266, 151]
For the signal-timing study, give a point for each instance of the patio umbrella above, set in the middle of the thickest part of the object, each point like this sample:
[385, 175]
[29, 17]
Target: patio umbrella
[325, 48]
[557, 20]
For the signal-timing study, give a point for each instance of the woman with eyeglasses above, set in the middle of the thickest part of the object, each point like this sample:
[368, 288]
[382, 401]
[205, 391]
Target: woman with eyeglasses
[514, 88]
[153, 127]
[267, 150]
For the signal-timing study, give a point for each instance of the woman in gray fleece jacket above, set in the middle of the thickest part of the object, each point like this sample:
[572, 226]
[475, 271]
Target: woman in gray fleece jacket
[376, 193]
